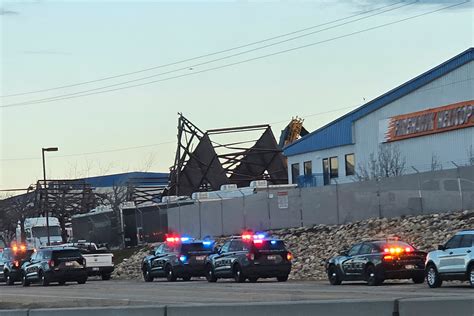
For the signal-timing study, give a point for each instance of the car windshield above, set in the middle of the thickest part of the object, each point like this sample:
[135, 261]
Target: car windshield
[271, 245]
[41, 231]
[195, 247]
[63, 254]
[21, 255]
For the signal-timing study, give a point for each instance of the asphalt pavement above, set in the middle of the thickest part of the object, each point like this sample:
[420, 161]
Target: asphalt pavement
[119, 293]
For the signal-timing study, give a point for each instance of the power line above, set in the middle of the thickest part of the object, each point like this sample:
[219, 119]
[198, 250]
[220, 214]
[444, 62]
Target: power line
[145, 146]
[171, 142]
[92, 152]
[206, 62]
[239, 62]
[198, 57]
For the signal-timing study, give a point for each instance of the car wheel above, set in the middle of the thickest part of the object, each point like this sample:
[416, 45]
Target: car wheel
[333, 276]
[170, 275]
[210, 276]
[371, 276]
[82, 281]
[187, 278]
[432, 277]
[253, 280]
[44, 281]
[238, 274]
[62, 283]
[106, 276]
[24, 280]
[282, 278]
[418, 279]
[8, 279]
[147, 275]
[471, 275]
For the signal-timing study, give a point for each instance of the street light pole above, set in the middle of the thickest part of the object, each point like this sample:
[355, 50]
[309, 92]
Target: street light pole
[45, 204]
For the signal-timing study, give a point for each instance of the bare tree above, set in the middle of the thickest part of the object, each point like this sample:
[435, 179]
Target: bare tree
[13, 211]
[388, 162]
[115, 197]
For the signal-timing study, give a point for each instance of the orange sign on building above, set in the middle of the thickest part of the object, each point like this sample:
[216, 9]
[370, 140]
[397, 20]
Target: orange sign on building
[431, 121]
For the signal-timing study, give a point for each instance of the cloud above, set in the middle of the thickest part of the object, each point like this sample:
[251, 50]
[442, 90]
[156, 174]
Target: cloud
[8, 12]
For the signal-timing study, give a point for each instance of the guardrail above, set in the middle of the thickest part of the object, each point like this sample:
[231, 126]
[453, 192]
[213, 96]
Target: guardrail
[433, 306]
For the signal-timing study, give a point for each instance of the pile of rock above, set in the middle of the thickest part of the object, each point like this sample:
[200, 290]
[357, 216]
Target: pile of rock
[131, 268]
[311, 246]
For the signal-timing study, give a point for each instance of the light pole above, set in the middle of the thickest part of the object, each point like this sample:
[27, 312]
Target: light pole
[44, 183]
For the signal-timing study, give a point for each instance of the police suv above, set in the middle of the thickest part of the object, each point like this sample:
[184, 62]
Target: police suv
[452, 261]
[250, 256]
[54, 264]
[179, 257]
[11, 260]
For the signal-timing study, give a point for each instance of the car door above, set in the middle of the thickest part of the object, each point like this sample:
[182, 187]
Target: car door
[32, 266]
[348, 262]
[156, 262]
[361, 259]
[448, 256]
[2, 264]
[462, 255]
[220, 261]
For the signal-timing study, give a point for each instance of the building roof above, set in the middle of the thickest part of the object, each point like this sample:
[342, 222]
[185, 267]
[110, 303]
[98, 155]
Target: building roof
[339, 132]
[141, 178]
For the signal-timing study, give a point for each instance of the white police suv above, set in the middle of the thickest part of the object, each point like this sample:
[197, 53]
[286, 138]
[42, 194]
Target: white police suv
[452, 261]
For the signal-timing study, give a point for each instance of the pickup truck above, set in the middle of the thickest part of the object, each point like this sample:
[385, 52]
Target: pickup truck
[99, 261]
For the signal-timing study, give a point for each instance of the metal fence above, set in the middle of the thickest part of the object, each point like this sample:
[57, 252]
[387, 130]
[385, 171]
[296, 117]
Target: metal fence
[273, 208]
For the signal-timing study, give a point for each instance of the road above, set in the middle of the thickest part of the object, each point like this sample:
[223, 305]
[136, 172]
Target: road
[116, 292]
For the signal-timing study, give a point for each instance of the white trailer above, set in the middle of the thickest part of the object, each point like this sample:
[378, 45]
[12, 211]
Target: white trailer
[37, 234]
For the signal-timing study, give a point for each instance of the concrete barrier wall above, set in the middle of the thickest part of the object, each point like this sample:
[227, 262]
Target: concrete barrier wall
[414, 194]
[333, 308]
[319, 205]
[433, 306]
[211, 218]
[101, 311]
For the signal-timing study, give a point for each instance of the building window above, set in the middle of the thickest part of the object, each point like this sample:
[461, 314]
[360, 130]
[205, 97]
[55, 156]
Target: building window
[333, 167]
[350, 165]
[308, 168]
[295, 172]
[326, 171]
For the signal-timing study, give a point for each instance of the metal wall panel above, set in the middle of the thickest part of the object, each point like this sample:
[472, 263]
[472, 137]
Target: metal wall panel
[320, 205]
[233, 215]
[211, 218]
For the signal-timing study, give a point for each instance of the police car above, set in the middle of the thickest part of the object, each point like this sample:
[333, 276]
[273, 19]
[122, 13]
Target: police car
[179, 257]
[11, 260]
[250, 256]
[377, 260]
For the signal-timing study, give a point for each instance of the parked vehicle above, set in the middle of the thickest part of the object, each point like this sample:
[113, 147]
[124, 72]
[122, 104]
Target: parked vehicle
[452, 261]
[250, 256]
[36, 232]
[99, 261]
[376, 261]
[11, 260]
[178, 257]
[3, 244]
[54, 264]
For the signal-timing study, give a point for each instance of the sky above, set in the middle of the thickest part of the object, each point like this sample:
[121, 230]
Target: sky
[49, 44]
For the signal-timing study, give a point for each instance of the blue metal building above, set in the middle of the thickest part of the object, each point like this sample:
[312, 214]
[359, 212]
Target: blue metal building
[336, 150]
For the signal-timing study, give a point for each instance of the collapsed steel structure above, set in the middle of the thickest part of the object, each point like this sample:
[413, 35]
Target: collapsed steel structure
[202, 164]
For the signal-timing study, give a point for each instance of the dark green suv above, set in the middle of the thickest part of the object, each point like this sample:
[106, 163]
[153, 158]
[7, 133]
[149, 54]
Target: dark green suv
[55, 264]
